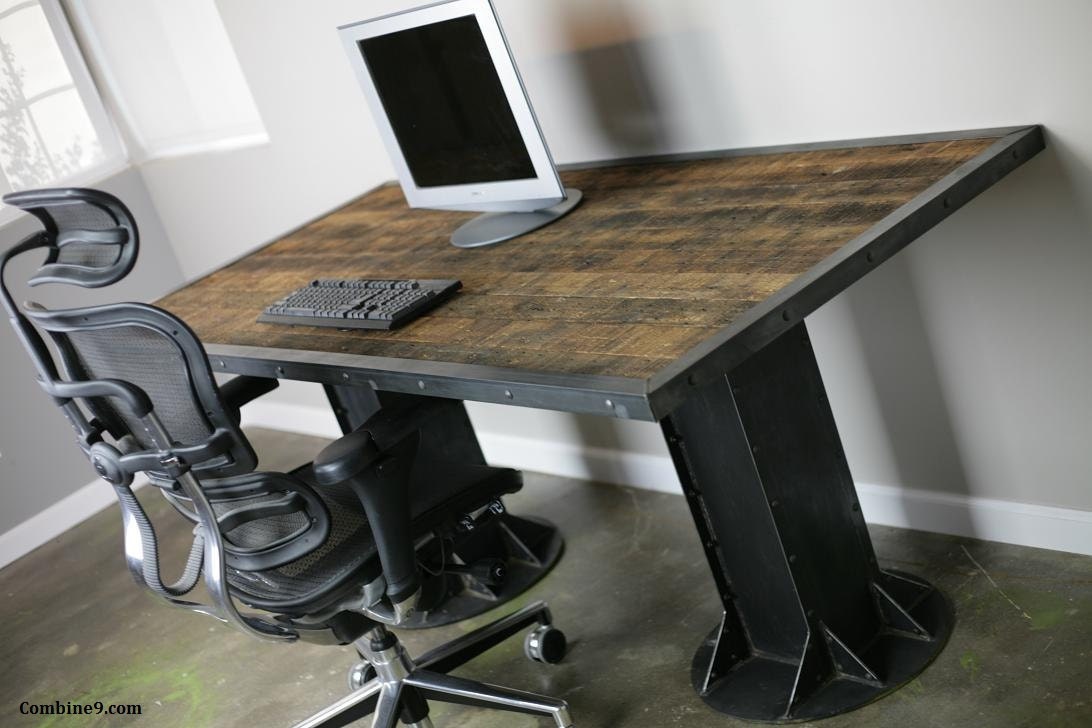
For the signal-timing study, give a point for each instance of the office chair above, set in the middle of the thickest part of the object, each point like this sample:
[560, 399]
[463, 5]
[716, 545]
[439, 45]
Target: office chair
[329, 551]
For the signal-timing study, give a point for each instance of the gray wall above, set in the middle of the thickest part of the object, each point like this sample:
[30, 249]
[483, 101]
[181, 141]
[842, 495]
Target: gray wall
[956, 367]
[959, 366]
[39, 462]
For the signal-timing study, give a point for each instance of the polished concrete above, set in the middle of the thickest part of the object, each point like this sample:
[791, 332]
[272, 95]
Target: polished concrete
[632, 592]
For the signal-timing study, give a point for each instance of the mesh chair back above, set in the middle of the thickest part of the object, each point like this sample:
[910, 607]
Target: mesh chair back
[147, 359]
[152, 349]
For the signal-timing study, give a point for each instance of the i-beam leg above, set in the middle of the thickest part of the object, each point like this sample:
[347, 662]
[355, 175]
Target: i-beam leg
[812, 626]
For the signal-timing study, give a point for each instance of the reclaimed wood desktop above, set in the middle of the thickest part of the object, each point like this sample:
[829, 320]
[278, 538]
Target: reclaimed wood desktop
[675, 293]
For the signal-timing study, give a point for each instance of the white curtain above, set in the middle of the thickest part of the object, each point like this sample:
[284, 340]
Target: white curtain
[171, 73]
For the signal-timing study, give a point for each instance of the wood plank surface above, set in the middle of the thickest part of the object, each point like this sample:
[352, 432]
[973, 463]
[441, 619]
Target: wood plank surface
[656, 259]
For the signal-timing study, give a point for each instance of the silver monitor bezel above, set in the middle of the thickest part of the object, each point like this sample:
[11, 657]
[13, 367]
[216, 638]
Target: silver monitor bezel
[542, 191]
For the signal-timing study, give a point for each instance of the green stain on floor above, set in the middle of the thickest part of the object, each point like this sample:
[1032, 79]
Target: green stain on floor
[159, 684]
[1047, 618]
[911, 690]
[1046, 609]
[969, 662]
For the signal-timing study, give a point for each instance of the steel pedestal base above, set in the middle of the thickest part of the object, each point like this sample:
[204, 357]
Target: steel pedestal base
[528, 546]
[812, 626]
[758, 688]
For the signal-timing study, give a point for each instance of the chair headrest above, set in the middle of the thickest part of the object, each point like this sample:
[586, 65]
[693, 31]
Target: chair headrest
[91, 235]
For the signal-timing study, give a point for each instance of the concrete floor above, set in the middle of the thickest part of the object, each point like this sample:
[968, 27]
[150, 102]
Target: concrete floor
[632, 592]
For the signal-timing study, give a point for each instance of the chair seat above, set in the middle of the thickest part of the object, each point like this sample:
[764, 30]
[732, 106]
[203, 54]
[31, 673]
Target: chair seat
[349, 557]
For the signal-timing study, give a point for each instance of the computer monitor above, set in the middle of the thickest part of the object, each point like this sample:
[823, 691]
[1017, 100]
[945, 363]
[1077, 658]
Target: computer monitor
[453, 113]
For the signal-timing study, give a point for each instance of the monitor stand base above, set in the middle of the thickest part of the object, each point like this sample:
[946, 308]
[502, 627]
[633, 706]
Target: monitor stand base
[496, 227]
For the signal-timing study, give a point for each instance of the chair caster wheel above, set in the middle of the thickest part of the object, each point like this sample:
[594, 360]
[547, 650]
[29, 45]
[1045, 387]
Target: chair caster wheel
[360, 674]
[545, 644]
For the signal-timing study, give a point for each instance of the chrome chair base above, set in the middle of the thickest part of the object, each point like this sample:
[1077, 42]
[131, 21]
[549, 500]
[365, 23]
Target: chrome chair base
[402, 688]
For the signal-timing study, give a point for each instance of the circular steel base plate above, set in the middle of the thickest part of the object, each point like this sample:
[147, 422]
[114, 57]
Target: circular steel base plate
[759, 688]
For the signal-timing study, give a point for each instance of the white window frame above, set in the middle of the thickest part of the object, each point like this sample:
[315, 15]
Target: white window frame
[115, 156]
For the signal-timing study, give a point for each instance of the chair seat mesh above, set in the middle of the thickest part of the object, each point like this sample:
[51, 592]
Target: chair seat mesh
[440, 491]
[348, 547]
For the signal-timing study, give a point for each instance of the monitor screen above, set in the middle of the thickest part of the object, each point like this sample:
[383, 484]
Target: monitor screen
[446, 105]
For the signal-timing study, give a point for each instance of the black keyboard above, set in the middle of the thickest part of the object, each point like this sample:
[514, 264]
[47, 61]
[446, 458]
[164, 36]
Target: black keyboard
[358, 304]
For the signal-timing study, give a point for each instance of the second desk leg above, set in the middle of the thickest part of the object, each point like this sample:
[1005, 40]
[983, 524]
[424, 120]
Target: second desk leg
[528, 546]
[446, 431]
[812, 626]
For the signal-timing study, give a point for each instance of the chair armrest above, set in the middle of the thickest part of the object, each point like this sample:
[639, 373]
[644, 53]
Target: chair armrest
[243, 389]
[133, 396]
[380, 479]
[347, 457]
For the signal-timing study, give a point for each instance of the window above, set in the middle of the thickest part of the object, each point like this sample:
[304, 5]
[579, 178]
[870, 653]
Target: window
[53, 128]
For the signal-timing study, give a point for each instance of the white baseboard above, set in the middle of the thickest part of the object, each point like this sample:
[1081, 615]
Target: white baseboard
[50, 523]
[571, 460]
[302, 418]
[1023, 524]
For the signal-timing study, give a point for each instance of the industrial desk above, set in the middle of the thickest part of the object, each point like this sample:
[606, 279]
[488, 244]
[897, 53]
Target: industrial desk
[676, 293]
